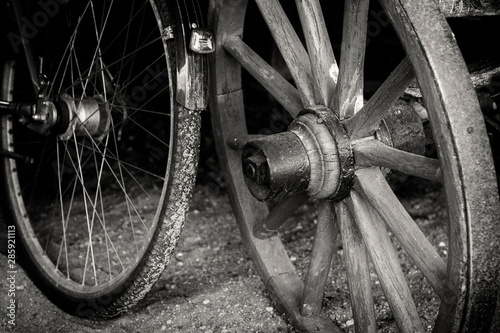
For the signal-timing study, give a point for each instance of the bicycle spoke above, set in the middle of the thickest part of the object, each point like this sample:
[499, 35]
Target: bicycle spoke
[112, 157]
[135, 47]
[69, 64]
[106, 237]
[63, 246]
[149, 132]
[68, 50]
[126, 201]
[324, 65]
[129, 81]
[127, 27]
[82, 78]
[63, 221]
[348, 97]
[87, 195]
[141, 110]
[68, 214]
[290, 47]
[71, 164]
[99, 35]
[98, 195]
[70, 59]
[90, 251]
[119, 180]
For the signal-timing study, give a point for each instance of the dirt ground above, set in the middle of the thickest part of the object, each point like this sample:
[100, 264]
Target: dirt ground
[211, 285]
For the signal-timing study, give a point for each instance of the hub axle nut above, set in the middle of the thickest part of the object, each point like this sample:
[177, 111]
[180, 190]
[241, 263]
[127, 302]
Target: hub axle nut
[275, 166]
[313, 156]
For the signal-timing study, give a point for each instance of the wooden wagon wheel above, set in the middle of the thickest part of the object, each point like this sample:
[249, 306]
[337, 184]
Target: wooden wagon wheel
[334, 151]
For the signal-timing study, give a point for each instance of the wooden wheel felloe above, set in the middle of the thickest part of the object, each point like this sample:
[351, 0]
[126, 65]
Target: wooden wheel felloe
[336, 151]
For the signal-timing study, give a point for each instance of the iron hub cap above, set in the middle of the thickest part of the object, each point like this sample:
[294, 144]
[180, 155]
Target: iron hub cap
[313, 156]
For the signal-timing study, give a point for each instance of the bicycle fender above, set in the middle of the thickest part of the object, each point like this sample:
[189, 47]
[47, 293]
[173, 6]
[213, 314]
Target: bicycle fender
[192, 42]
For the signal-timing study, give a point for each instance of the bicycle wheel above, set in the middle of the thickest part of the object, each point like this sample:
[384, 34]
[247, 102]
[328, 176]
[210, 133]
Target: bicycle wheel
[342, 140]
[101, 208]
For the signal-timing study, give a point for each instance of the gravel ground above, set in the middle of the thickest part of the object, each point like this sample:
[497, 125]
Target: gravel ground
[211, 285]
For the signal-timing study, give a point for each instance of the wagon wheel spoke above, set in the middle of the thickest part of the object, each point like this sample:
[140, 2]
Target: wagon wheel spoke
[282, 90]
[291, 48]
[412, 239]
[334, 149]
[386, 264]
[324, 65]
[278, 216]
[358, 274]
[348, 98]
[374, 153]
[366, 121]
[323, 251]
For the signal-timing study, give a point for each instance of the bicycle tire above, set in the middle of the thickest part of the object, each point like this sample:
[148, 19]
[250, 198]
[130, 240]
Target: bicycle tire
[98, 288]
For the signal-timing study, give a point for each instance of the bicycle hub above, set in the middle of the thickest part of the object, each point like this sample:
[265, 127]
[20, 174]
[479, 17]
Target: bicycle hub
[89, 116]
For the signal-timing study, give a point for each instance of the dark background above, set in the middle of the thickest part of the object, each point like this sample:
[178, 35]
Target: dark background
[478, 39]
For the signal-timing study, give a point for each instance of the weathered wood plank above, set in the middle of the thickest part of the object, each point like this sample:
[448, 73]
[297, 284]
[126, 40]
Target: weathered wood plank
[358, 273]
[372, 152]
[386, 264]
[412, 239]
[291, 48]
[284, 92]
[324, 65]
[223, 65]
[287, 290]
[367, 120]
[348, 97]
[278, 216]
[321, 258]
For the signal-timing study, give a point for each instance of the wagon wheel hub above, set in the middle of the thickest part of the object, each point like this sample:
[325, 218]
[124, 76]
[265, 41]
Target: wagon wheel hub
[314, 156]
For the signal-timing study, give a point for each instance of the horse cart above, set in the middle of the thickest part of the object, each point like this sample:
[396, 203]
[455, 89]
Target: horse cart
[100, 130]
